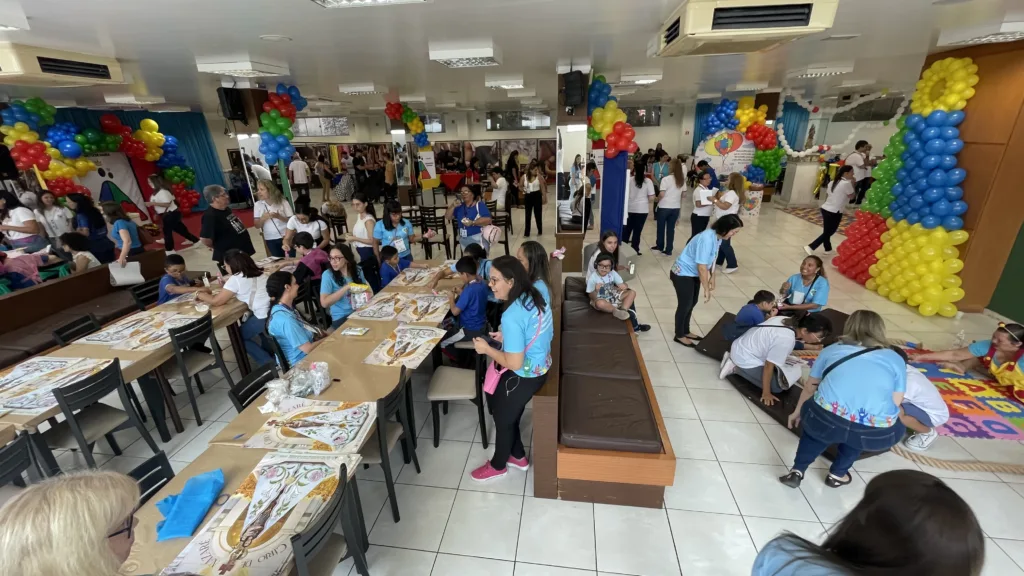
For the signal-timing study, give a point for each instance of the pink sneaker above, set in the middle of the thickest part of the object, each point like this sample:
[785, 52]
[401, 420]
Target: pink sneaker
[519, 463]
[487, 472]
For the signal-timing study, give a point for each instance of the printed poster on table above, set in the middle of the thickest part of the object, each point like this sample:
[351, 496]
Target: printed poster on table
[727, 151]
[384, 307]
[407, 344]
[142, 332]
[425, 308]
[250, 535]
[317, 425]
[415, 277]
[27, 389]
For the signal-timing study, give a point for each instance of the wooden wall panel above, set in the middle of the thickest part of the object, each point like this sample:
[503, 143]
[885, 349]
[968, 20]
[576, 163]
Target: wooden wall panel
[981, 162]
[999, 95]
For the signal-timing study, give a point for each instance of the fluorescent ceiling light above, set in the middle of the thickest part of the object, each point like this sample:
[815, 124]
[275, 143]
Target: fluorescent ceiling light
[465, 53]
[378, 108]
[132, 99]
[821, 70]
[837, 37]
[446, 105]
[245, 68]
[639, 79]
[709, 95]
[361, 3]
[467, 108]
[275, 38]
[531, 101]
[398, 132]
[747, 87]
[504, 82]
[242, 137]
[522, 93]
[12, 17]
[360, 88]
[412, 98]
[576, 128]
[856, 83]
[566, 65]
[622, 90]
[991, 34]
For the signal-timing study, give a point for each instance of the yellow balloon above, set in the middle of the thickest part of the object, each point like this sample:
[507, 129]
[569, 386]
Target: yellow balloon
[597, 116]
[937, 267]
[30, 137]
[929, 279]
[913, 259]
[933, 293]
[903, 226]
[928, 308]
[21, 127]
[953, 294]
[897, 297]
[5, 130]
[954, 266]
[885, 277]
[881, 266]
[951, 282]
[874, 270]
[948, 310]
[915, 299]
[885, 237]
[610, 105]
[888, 249]
[897, 283]
[884, 290]
[53, 153]
[957, 237]
[890, 223]
[929, 253]
[9, 141]
[915, 286]
[149, 125]
[871, 284]
[49, 174]
[906, 292]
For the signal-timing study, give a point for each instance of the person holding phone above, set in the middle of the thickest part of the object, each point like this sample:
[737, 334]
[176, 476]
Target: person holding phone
[469, 215]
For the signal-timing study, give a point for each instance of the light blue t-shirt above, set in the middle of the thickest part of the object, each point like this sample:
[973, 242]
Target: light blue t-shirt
[544, 291]
[400, 233]
[782, 558]
[133, 233]
[518, 326]
[817, 292]
[980, 348]
[861, 389]
[328, 285]
[702, 249]
[289, 332]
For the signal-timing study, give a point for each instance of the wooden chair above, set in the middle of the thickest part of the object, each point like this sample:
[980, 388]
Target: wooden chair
[249, 388]
[17, 457]
[86, 419]
[338, 227]
[152, 475]
[319, 548]
[189, 362]
[436, 223]
[309, 298]
[378, 446]
[146, 294]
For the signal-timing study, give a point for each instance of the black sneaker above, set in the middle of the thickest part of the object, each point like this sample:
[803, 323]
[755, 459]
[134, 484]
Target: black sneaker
[792, 479]
[643, 327]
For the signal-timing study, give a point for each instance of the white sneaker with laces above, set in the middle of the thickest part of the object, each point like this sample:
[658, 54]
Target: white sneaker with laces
[921, 441]
[829, 252]
[726, 367]
[186, 243]
[809, 251]
[730, 270]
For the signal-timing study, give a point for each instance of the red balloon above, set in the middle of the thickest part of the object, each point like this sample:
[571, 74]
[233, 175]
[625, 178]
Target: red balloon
[633, 147]
[285, 98]
[110, 123]
[612, 140]
[629, 134]
[619, 128]
[268, 106]
[611, 152]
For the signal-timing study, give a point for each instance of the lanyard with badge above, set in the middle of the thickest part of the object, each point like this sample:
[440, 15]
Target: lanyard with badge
[464, 229]
[398, 241]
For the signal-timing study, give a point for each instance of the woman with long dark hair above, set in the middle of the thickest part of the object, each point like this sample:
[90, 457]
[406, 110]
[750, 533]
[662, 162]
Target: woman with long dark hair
[639, 196]
[525, 355]
[703, 203]
[56, 219]
[396, 231]
[362, 238]
[18, 225]
[806, 291]
[839, 195]
[163, 204]
[248, 284]
[534, 258]
[293, 335]
[124, 231]
[336, 283]
[89, 222]
[535, 196]
[693, 270]
[513, 177]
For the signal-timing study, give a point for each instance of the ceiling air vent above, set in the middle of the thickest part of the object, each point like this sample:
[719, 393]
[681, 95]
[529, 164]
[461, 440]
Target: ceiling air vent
[73, 68]
[671, 33]
[746, 17]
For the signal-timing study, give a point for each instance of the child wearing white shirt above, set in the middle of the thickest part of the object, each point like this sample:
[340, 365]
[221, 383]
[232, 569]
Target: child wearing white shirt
[923, 410]
[608, 293]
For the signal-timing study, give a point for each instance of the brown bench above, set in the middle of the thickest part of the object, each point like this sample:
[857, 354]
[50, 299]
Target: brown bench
[31, 315]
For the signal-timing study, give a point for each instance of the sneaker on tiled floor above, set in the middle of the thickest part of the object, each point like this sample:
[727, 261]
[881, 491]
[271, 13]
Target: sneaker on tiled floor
[731, 270]
[726, 367]
[921, 441]
[517, 463]
[186, 243]
[621, 314]
[487, 472]
[809, 250]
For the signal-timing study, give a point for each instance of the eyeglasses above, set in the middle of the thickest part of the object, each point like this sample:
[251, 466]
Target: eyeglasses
[129, 526]
[491, 281]
[336, 258]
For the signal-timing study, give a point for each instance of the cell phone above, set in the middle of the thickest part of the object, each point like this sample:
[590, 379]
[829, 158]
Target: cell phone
[632, 268]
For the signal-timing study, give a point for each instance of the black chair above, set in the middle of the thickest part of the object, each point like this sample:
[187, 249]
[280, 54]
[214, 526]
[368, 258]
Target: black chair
[282, 360]
[17, 457]
[152, 475]
[319, 548]
[448, 383]
[250, 387]
[86, 419]
[309, 298]
[435, 222]
[338, 227]
[492, 207]
[503, 221]
[147, 293]
[189, 362]
[378, 446]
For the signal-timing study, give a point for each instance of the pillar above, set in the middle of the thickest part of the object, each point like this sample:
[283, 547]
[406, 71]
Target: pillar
[613, 194]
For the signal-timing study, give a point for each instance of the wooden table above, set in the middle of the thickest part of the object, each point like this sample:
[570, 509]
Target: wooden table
[7, 432]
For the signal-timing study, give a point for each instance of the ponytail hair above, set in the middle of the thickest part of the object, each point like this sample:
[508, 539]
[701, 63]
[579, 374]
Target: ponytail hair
[276, 285]
[839, 175]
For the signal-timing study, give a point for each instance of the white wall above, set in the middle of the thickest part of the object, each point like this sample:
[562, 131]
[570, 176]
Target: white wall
[675, 133]
[221, 142]
[836, 132]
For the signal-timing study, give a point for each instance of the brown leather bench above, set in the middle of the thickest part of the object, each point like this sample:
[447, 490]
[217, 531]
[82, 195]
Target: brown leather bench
[607, 414]
[580, 317]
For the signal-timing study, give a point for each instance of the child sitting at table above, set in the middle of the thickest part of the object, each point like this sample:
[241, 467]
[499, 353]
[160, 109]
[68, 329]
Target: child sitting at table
[312, 259]
[923, 410]
[760, 308]
[470, 309]
[391, 265]
[175, 281]
[608, 293]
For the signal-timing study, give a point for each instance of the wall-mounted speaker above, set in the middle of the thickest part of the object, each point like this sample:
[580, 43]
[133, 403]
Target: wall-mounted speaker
[231, 105]
[574, 91]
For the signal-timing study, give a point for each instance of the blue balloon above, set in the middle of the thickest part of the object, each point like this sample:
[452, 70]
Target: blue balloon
[949, 133]
[937, 178]
[951, 223]
[282, 88]
[904, 200]
[930, 222]
[271, 145]
[910, 163]
[271, 158]
[955, 118]
[906, 155]
[919, 155]
[913, 218]
[897, 189]
[914, 120]
[931, 162]
[941, 208]
[909, 138]
[954, 193]
[918, 173]
[936, 146]
[933, 194]
[916, 201]
[922, 185]
[930, 133]
[948, 162]
[938, 118]
[286, 152]
[898, 215]
[70, 149]
[924, 211]
[953, 146]
[957, 208]
[955, 176]
[282, 140]
[894, 206]
[901, 174]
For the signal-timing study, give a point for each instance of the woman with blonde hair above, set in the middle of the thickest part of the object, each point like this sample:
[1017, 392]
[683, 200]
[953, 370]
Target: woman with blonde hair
[80, 523]
[857, 385]
[271, 214]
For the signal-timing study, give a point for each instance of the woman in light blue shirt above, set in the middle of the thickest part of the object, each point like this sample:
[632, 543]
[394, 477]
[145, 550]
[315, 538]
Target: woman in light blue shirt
[525, 353]
[124, 231]
[394, 230]
[806, 291]
[292, 334]
[694, 268]
[857, 386]
[908, 522]
[336, 283]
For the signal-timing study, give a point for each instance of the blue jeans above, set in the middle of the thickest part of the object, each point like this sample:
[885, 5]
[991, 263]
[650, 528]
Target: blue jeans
[33, 243]
[275, 247]
[821, 429]
[666, 219]
[726, 254]
[255, 344]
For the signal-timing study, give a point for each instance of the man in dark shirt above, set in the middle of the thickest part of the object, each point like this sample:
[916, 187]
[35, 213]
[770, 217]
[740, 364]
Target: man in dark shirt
[221, 229]
[704, 166]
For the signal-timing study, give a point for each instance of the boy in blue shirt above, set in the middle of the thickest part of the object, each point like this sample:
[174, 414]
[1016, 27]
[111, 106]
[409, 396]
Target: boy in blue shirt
[754, 312]
[391, 265]
[175, 282]
[470, 309]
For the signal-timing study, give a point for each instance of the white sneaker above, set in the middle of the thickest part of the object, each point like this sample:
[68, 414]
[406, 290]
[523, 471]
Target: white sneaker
[730, 270]
[920, 442]
[829, 252]
[186, 243]
[808, 250]
[726, 367]
[621, 314]
[159, 240]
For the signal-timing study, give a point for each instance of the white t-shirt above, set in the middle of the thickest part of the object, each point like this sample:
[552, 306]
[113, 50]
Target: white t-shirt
[273, 229]
[18, 217]
[611, 278]
[923, 394]
[730, 197]
[759, 345]
[839, 196]
[57, 220]
[860, 170]
[164, 196]
[359, 231]
[499, 192]
[316, 228]
[299, 171]
[704, 195]
[347, 164]
[243, 287]
[639, 202]
[261, 172]
[673, 192]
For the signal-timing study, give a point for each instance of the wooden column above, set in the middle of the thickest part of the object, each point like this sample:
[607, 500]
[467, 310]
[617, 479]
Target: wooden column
[771, 100]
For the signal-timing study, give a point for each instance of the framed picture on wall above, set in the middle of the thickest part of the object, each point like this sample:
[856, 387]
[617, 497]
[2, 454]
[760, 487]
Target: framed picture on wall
[486, 151]
[527, 149]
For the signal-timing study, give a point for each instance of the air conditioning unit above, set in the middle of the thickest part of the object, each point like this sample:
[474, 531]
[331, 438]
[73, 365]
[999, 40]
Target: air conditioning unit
[711, 27]
[34, 66]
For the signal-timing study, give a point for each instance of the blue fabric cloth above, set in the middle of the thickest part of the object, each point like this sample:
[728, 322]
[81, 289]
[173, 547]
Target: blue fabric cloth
[518, 326]
[328, 285]
[794, 120]
[389, 272]
[702, 249]
[816, 293]
[749, 315]
[861, 389]
[704, 109]
[388, 237]
[478, 210]
[472, 304]
[169, 280]
[979, 348]
[782, 558]
[184, 512]
[133, 233]
[289, 332]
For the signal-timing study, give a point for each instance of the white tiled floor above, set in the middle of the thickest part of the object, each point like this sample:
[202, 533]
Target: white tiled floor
[726, 503]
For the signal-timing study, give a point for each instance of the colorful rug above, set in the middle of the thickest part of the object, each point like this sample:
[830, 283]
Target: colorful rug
[813, 215]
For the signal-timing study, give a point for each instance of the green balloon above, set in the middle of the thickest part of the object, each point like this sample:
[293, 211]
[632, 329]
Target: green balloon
[902, 121]
[92, 135]
[265, 118]
[275, 113]
[274, 129]
[81, 139]
[284, 123]
[288, 134]
[599, 78]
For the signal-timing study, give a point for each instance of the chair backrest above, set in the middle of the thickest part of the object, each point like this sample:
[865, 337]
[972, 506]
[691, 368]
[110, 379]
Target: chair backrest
[92, 389]
[308, 543]
[282, 360]
[250, 387]
[338, 225]
[395, 399]
[15, 458]
[76, 329]
[434, 222]
[492, 207]
[152, 475]
[196, 332]
[147, 293]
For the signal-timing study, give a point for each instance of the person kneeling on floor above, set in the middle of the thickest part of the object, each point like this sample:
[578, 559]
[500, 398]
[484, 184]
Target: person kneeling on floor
[761, 355]
[609, 293]
[923, 410]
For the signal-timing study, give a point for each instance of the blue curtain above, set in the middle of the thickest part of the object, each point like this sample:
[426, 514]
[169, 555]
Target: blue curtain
[194, 140]
[703, 111]
[794, 120]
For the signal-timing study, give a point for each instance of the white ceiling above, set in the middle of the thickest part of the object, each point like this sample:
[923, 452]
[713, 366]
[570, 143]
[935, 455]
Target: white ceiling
[159, 40]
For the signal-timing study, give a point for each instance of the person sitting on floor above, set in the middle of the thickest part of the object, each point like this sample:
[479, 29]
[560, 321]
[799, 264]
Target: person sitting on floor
[760, 355]
[292, 334]
[806, 291]
[391, 265]
[999, 357]
[608, 293]
[312, 259]
[760, 308]
[175, 281]
[470, 307]
[923, 410]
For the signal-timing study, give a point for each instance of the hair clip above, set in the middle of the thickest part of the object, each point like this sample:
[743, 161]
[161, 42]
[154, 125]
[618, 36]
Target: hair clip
[1003, 327]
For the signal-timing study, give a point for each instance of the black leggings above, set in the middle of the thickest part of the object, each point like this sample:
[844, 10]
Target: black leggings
[829, 224]
[172, 223]
[687, 294]
[533, 202]
[507, 405]
[698, 224]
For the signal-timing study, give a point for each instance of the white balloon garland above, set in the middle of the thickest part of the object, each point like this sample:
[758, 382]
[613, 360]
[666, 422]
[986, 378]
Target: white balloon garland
[844, 108]
[780, 129]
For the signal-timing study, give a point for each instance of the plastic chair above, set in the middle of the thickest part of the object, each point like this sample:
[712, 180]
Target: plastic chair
[189, 362]
[17, 457]
[250, 387]
[152, 475]
[146, 294]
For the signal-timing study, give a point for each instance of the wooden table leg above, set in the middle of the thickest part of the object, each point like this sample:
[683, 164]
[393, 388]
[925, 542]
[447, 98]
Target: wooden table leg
[152, 391]
[235, 335]
[47, 463]
[168, 397]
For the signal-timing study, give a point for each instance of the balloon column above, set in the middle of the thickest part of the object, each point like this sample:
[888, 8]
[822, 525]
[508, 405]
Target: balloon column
[741, 115]
[276, 120]
[607, 121]
[398, 111]
[57, 156]
[722, 117]
[918, 185]
[748, 115]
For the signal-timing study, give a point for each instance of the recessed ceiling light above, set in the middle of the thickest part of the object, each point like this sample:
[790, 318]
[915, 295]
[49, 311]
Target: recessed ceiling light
[275, 38]
[639, 79]
[360, 3]
[465, 54]
[132, 99]
[820, 70]
[360, 88]
[504, 82]
[991, 34]
[244, 68]
[412, 98]
[12, 17]
[747, 87]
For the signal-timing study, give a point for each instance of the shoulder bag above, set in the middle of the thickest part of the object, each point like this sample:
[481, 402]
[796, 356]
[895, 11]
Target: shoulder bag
[845, 358]
[493, 375]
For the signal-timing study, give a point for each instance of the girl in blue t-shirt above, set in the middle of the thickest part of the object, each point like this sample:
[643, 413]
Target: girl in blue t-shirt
[335, 284]
[124, 231]
[394, 230]
[525, 337]
[806, 291]
[292, 334]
